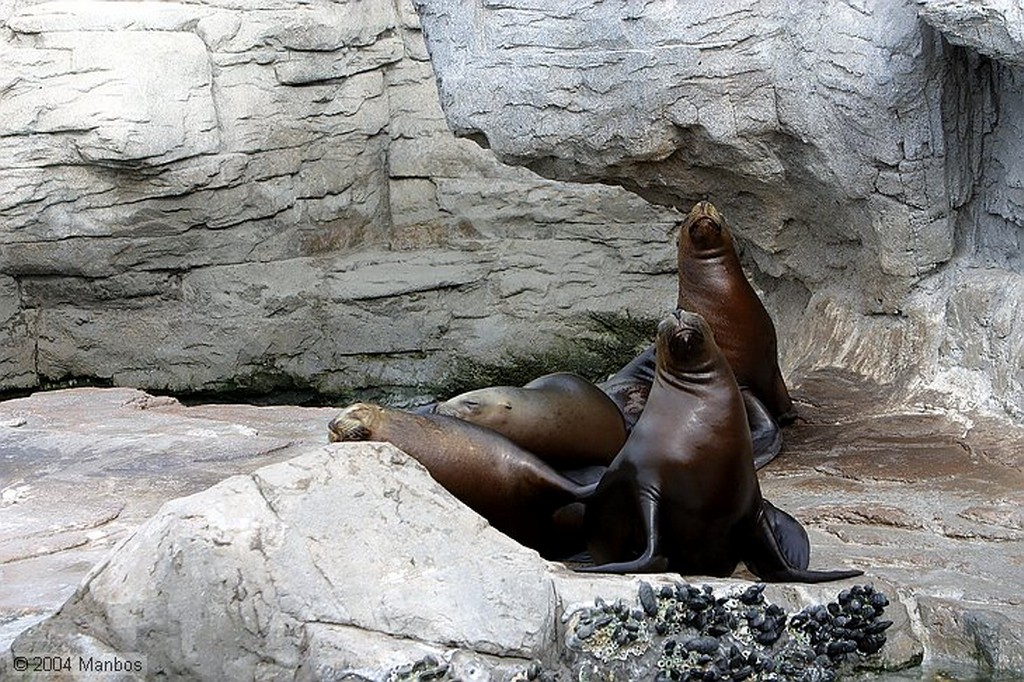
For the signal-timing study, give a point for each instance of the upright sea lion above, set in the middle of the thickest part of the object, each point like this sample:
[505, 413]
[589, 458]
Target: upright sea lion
[510, 487]
[630, 386]
[562, 418]
[712, 284]
[682, 494]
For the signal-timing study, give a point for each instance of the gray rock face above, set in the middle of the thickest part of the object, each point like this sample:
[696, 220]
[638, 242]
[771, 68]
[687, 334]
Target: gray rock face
[340, 561]
[992, 27]
[317, 561]
[871, 168]
[205, 196]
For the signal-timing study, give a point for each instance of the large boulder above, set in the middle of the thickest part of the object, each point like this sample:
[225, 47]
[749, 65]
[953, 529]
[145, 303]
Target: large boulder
[347, 560]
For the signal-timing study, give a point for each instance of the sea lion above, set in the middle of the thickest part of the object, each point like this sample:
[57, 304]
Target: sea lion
[630, 386]
[562, 418]
[712, 284]
[682, 494]
[510, 487]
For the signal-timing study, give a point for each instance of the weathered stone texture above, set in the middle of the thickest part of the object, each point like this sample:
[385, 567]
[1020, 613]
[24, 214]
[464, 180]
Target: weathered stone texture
[211, 196]
[208, 196]
[318, 561]
[860, 156]
[995, 28]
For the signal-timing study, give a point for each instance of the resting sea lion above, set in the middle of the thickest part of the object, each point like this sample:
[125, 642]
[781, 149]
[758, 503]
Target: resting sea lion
[562, 418]
[510, 487]
[682, 494]
[630, 386]
[712, 284]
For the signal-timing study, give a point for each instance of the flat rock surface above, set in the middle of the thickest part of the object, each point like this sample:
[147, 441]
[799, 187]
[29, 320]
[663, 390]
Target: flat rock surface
[921, 500]
[81, 468]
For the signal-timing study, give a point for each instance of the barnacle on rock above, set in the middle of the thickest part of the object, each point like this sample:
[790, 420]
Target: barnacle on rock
[609, 631]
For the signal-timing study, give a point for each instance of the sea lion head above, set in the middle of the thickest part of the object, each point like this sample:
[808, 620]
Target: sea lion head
[354, 423]
[684, 340]
[704, 229]
[475, 405]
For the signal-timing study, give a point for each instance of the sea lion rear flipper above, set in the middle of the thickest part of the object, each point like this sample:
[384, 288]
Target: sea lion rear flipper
[765, 434]
[780, 550]
[789, 534]
[651, 560]
[783, 407]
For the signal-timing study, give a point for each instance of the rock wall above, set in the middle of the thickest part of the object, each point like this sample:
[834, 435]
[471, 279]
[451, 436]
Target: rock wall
[867, 154]
[211, 196]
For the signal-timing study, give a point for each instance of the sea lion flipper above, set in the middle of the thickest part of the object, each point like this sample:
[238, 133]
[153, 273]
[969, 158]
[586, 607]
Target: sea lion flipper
[765, 433]
[785, 409]
[777, 538]
[789, 534]
[584, 476]
[651, 561]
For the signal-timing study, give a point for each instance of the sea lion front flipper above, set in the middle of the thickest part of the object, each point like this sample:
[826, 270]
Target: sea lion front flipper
[765, 433]
[776, 537]
[651, 561]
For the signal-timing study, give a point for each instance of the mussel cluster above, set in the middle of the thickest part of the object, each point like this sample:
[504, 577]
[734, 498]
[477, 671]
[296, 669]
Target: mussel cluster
[703, 636]
[611, 631]
[849, 624]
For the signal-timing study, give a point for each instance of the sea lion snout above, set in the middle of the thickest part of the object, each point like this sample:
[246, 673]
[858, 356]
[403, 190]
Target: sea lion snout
[682, 332]
[704, 209]
[703, 225]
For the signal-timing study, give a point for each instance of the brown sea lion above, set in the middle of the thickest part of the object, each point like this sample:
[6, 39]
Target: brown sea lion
[682, 495]
[562, 418]
[712, 284]
[510, 487]
[630, 386]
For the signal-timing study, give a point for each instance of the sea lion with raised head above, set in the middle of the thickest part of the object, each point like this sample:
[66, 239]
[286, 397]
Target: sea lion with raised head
[513, 489]
[682, 494]
[629, 387]
[713, 285]
[562, 418]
